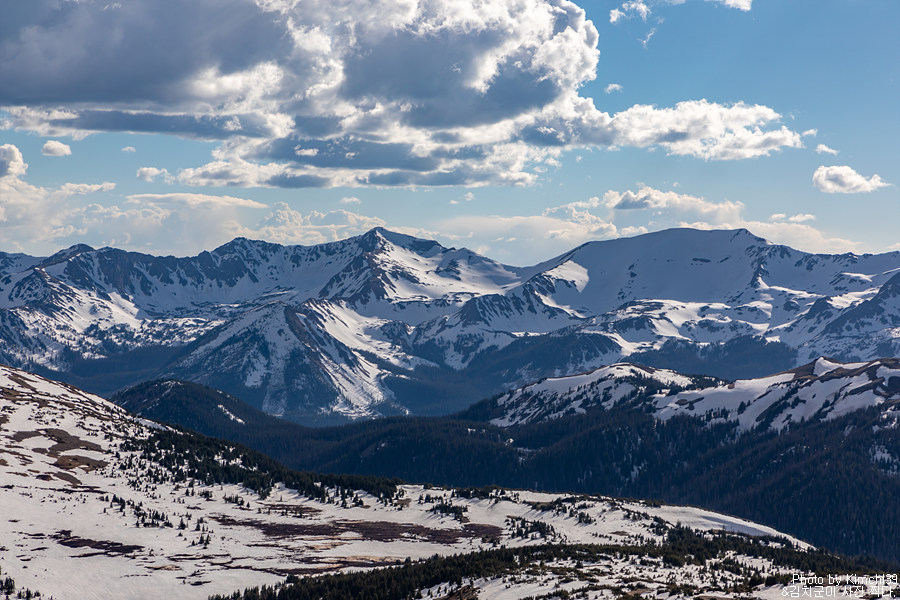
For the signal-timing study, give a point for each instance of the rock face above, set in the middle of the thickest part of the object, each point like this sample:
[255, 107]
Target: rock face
[384, 323]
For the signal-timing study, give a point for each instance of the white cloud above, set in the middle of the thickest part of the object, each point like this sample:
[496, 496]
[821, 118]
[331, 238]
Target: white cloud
[629, 9]
[285, 225]
[468, 196]
[151, 173]
[823, 149]
[649, 198]
[195, 200]
[36, 217]
[81, 189]
[744, 5]
[309, 94]
[796, 235]
[810, 132]
[129, 149]
[11, 162]
[613, 87]
[704, 129]
[350, 200]
[556, 229]
[682, 210]
[799, 218]
[55, 148]
[844, 180]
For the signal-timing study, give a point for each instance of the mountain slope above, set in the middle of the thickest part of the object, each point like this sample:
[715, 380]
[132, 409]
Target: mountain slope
[626, 430]
[384, 323]
[821, 390]
[101, 504]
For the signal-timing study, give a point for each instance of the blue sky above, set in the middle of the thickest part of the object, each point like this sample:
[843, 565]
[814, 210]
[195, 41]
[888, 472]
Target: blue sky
[517, 128]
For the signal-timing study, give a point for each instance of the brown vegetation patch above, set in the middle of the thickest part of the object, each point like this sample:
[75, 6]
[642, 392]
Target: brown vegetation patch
[295, 510]
[68, 478]
[65, 538]
[16, 378]
[21, 436]
[66, 441]
[379, 531]
[70, 461]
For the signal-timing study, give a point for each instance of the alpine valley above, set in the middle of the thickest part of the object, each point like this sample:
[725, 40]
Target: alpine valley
[98, 503]
[386, 324]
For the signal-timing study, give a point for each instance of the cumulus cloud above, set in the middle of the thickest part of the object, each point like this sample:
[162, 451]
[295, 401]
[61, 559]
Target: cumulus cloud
[649, 198]
[129, 149]
[613, 87]
[11, 162]
[346, 93]
[33, 216]
[844, 180]
[519, 238]
[704, 129]
[683, 210]
[350, 200]
[823, 149]
[151, 173]
[55, 148]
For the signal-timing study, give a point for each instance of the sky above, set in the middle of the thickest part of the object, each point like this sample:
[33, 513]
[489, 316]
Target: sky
[516, 128]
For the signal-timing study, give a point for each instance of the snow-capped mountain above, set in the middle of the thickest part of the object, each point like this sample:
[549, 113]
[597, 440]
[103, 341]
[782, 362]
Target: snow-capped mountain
[820, 390]
[384, 323]
[98, 504]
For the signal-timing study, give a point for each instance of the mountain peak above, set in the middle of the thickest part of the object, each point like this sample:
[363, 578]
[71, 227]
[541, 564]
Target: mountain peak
[378, 236]
[66, 254]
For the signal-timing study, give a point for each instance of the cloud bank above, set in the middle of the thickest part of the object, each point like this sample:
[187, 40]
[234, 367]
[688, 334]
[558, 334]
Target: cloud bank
[349, 93]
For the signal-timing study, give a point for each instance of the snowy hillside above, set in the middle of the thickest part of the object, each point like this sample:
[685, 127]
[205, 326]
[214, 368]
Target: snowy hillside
[370, 325]
[821, 390]
[100, 504]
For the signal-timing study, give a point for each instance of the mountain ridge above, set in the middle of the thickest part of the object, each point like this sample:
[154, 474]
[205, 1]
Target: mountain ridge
[367, 326]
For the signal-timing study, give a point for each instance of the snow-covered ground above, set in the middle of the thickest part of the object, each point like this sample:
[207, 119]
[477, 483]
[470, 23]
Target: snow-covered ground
[82, 518]
[823, 389]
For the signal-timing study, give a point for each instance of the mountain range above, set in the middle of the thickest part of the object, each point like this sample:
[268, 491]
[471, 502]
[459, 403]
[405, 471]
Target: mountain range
[387, 324]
